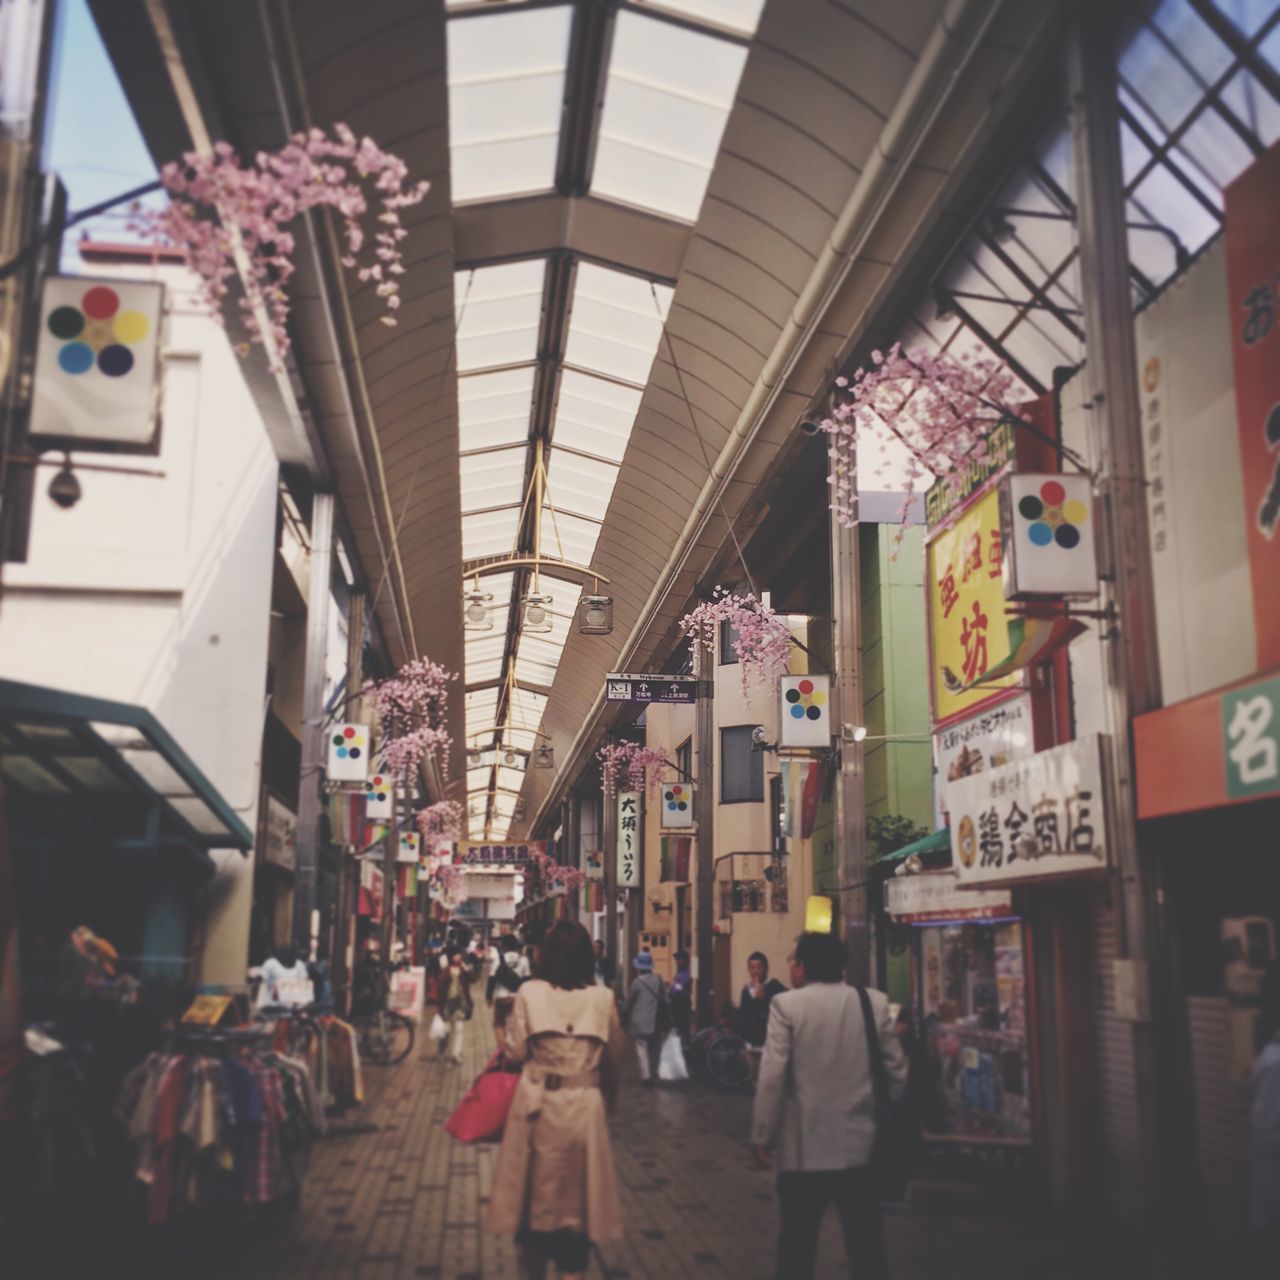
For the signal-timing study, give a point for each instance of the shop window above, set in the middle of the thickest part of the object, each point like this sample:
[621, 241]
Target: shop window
[684, 759]
[741, 768]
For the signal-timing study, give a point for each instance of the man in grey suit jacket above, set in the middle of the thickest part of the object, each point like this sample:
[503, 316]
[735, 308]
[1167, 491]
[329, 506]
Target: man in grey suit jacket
[815, 1108]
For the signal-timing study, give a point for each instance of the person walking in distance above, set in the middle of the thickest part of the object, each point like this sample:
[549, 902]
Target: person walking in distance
[511, 970]
[648, 1016]
[453, 998]
[815, 1109]
[606, 972]
[757, 995]
[554, 1185]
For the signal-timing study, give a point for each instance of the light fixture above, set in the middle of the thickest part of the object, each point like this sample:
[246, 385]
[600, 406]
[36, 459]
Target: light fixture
[64, 488]
[475, 758]
[477, 613]
[817, 914]
[544, 757]
[854, 732]
[944, 302]
[510, 758]
[519, 810]
[657, 904]
[595, 615]
[999, 228]
[537, 614]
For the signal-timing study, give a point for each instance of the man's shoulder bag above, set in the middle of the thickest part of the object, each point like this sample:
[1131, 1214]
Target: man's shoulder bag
[897, 1140]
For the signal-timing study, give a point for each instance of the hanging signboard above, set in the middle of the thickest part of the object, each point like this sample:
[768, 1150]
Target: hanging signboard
[408, 847]
[995, 736]
[936, 896]
[1046, 536]
[97, 377]
[1043, 815]
[968, 622]
[379, 801]
[621, 687]
[676, 813]
[471, 853]
[628, 839]
[804, 716]
[348, 759]
[594, 864]
[279, 833]
[1252, 207]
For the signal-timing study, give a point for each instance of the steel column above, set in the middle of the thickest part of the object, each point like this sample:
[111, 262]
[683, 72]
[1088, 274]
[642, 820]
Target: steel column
[851, 799]
[310, 787]
[704, 805]
[1114, 426]
[343, 898]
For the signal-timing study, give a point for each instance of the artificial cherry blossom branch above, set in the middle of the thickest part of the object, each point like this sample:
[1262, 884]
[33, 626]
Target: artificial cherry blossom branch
[764, 640]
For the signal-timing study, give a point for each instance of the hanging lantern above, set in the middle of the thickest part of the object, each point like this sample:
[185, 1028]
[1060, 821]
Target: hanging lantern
[519, 810]
[543, 756]
[510, 758]
[477, 610]
[475, 758]
[537, 614]
[595, 615]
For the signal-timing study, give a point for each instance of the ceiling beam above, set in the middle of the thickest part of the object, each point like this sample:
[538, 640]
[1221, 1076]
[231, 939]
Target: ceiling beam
[613, 235]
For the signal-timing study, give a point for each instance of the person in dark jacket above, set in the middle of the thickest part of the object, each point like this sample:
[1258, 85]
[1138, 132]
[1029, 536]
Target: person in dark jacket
[647, 1016]
[606, 971]
[757, 995]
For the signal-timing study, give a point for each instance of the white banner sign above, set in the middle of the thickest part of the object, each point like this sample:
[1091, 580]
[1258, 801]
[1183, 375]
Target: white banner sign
[677, 806]
[1047, 524]
[986, 741]
[409, 847]
[1040, 816]
[628, 840]
[348, 759]
[804, 715]
[936, 895]
[379, 800]
[97, 363]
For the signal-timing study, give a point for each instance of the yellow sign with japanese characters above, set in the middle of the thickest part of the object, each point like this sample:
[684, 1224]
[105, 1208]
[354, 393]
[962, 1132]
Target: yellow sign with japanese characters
[968, 626]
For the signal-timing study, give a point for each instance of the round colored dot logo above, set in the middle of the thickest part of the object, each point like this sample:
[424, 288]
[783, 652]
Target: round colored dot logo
[805, 701]
[1052, 518]
[97, 332]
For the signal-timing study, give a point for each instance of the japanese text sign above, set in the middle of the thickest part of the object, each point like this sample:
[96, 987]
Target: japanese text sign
[628, 839]
[968, 629]
[936, 895]
[98, 364]
[995, 736]
[472, 854]
[1251, 739]
[1046, 533]
[1043, 815]
[1252, 207]
[621, 687]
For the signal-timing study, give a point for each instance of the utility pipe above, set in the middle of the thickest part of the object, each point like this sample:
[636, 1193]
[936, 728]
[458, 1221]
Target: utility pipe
[954, 40]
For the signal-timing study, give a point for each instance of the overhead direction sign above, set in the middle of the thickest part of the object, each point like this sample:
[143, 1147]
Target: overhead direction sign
[623, 687]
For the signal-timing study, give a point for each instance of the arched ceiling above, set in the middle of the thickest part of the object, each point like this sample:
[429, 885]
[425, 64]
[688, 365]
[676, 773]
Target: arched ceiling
[615, 186]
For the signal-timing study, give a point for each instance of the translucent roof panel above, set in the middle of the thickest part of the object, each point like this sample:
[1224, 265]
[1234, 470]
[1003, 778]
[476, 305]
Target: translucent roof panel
[492, 479]
[526, 739]
[578, 537]
[498, 311]
[742, 16]
[510, 780]
[594, 416]
[616, 323]
[667, 96]
[506, 87]
[538, 656]
[493, 408]
[481, 707]
[526, 709]
[490, 534]
[483, 657]
[504, 805]
[580, 485]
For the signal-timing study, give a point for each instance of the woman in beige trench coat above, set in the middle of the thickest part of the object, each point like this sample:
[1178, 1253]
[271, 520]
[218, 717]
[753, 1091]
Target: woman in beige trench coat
[554, 1187]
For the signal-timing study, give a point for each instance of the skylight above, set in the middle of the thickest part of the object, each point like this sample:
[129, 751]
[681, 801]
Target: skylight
[667, 97]
[594, 416]
[615, 325]
[498, 312]
[493, 408]
[506, 87]
[742, 16]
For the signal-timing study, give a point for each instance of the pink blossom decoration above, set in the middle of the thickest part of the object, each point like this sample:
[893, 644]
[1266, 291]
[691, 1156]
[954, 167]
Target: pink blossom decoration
[411, 707]
[764, 642]
[942, 409]
[220, 205]
[640, 766]
[440, 821]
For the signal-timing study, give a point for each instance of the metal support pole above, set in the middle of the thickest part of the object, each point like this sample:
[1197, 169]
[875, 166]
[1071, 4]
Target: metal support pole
[310, 788]
[851, 798]
[399, 807]
[704, 805]
[343, 897]
[1115, 444]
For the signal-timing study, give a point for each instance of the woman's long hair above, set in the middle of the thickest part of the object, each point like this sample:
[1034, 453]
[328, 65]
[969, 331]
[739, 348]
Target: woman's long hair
[566, 958]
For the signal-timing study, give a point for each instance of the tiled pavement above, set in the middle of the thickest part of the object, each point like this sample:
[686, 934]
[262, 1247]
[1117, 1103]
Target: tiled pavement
[391, 1196]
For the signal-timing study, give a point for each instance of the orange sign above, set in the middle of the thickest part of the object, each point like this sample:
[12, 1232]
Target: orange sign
[1253, 284]
[968, 626]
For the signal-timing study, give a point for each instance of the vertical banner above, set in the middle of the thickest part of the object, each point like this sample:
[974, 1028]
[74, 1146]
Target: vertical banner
[628, 839]
[1252, 205]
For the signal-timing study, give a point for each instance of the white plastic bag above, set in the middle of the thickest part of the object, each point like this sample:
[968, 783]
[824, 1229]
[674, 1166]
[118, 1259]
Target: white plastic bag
[439, 1028]
[671, 1062]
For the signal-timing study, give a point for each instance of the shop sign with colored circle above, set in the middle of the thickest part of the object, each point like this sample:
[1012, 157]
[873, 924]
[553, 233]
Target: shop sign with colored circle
[676, 806]
[97, 364]
[804, 717]
[409, 847]
[379, 802]
[1047, 525]
[348, 756]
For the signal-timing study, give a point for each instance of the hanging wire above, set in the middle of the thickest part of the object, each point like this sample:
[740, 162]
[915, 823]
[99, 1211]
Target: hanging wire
[702, 444]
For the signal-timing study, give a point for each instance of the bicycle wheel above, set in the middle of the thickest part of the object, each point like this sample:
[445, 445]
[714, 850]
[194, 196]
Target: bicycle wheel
[388, 1038]
[727, 1061]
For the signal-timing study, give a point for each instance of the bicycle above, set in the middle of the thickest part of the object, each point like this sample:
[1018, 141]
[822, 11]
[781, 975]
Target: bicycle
[386, 1037]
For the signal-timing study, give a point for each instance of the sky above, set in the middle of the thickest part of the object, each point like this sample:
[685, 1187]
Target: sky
[93, 142]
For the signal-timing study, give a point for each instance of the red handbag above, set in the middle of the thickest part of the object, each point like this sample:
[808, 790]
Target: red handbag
[482, 1113]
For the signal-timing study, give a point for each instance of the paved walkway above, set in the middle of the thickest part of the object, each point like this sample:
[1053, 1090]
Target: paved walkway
[391, 1196]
